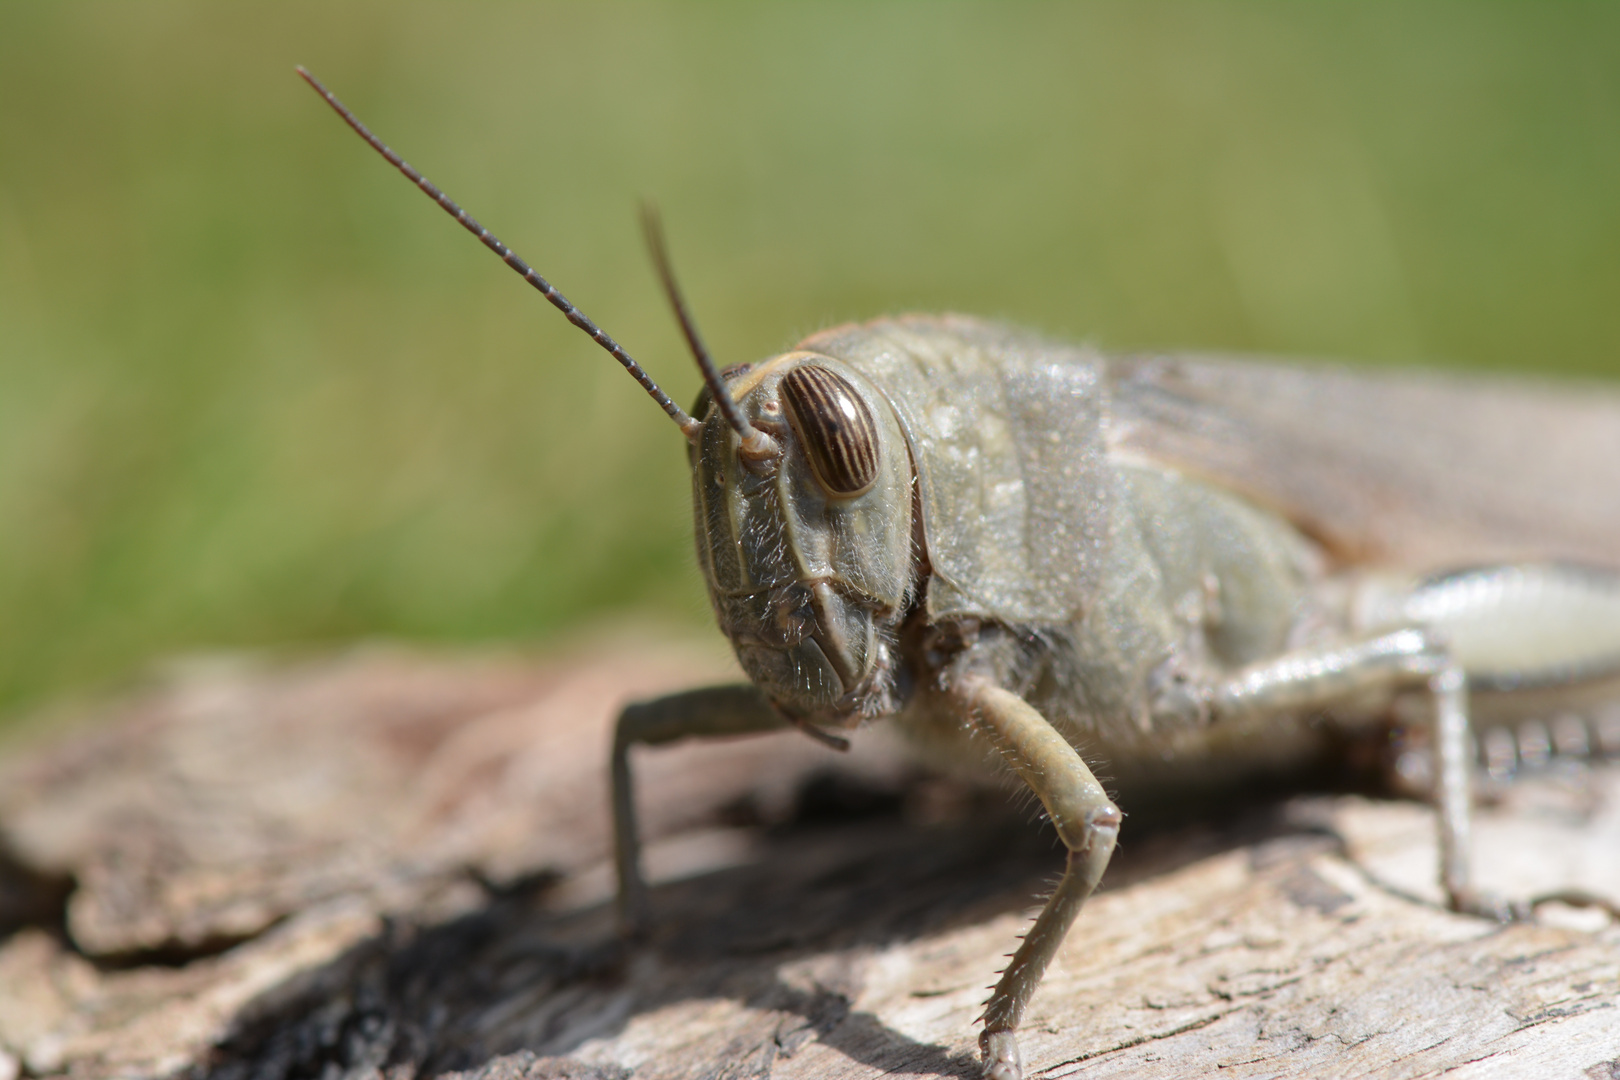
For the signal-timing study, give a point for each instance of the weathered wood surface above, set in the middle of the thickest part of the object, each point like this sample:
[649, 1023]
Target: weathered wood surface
[387, 865]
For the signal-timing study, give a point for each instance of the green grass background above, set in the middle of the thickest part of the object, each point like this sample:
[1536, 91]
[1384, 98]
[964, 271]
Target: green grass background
[255, 391]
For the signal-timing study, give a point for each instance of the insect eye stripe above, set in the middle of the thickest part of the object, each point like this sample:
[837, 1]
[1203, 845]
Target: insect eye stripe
[839, 434]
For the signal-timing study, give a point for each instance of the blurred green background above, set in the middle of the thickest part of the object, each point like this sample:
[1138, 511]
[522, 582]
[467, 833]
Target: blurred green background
[256, 391]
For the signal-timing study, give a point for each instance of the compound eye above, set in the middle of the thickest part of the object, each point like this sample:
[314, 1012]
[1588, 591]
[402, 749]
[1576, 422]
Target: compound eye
[836, 428]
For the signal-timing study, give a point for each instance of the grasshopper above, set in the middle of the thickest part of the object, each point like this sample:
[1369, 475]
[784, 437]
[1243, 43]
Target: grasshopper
[1198, 570]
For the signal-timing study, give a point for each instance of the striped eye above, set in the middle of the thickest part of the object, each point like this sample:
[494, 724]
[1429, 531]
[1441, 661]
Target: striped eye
[836, 428]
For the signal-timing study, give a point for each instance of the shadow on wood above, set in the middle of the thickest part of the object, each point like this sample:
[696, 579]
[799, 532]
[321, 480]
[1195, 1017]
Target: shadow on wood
[817, 900]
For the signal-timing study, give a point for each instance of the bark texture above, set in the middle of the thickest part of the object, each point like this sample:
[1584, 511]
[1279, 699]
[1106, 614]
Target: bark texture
[395, 865]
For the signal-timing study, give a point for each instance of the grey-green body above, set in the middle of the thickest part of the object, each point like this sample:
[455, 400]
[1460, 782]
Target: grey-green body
[1193, 572]
[1031, 498]
[1095, 585]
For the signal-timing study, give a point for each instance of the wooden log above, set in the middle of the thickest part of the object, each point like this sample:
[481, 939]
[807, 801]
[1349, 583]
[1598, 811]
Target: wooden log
[387, 864]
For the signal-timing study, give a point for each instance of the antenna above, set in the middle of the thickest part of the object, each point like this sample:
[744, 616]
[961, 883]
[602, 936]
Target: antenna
[755, 443]
[689, 427]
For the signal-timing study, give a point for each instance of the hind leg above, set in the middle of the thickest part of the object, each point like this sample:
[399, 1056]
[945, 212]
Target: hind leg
[1533, 638]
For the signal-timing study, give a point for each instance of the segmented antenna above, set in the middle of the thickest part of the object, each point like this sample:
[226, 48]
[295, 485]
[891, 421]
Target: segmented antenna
[690, 427]
[755, 443]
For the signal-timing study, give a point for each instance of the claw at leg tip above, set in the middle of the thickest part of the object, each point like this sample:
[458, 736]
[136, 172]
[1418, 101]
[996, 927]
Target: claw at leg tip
[1001, 1058]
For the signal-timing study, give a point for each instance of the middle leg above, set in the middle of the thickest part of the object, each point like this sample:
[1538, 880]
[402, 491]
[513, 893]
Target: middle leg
[1318, 679]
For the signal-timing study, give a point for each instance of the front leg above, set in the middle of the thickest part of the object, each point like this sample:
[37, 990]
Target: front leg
[1086, 820]
[712, 711]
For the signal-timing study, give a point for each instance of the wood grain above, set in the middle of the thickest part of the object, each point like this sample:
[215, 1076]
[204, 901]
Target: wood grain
[393, 865]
